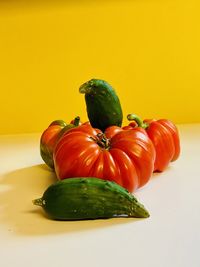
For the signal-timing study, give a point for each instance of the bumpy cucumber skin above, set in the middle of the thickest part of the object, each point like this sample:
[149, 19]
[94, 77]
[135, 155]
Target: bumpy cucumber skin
[89, 198]
[103, 105]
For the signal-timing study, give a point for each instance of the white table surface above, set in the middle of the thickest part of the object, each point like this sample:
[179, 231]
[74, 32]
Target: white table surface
[170, 237]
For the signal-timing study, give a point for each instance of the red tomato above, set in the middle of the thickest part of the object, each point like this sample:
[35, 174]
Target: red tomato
[165, 137]
[50, 137]
[48, 140]
[127, 158]
[112, 130]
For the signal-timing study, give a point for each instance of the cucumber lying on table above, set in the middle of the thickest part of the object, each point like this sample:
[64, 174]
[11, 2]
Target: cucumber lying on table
[89, 198]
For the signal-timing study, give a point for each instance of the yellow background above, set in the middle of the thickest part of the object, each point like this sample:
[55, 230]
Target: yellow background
[149, 51]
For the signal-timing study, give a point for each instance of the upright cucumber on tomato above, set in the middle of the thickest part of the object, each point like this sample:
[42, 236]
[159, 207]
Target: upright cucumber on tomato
[89, 198]
[103, 105]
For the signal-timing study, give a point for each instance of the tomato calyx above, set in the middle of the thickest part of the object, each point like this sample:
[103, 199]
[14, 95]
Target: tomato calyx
[102, 140]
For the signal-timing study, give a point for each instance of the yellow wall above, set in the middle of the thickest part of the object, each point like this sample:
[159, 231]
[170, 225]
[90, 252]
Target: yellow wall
[149, 50]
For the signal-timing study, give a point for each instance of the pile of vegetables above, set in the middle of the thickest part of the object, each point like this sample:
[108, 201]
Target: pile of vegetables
[100, 163]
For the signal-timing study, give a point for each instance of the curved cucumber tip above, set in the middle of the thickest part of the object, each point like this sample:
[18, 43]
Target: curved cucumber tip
[39, 202]
[85, 88]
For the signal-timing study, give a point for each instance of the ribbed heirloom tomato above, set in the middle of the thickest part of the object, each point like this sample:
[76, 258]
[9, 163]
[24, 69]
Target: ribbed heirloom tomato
[165, 137]
[126, 158]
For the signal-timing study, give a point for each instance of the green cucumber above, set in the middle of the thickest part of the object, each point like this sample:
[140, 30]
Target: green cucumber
[89, 198]
[102, 103]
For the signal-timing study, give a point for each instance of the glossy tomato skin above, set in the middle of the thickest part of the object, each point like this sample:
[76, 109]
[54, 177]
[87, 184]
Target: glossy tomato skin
[165, 137]
[126, 158]
[48, 140]
[51, 135]
[113, 130]
[173, 130]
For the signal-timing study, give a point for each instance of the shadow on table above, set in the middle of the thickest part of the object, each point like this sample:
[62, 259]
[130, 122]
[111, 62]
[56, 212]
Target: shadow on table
[21, 217]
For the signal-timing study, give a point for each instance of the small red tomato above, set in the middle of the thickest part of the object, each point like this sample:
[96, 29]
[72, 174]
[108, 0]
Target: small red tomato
[50, 137]
[165, 137]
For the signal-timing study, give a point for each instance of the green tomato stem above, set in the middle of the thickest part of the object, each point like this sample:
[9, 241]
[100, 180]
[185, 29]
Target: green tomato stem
[76, 121]
[137, 119]
[58, 122]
